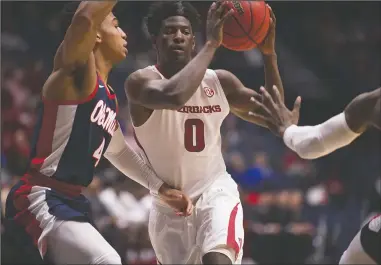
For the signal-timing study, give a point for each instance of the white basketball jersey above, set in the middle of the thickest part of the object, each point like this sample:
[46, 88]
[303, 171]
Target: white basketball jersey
[184, 146]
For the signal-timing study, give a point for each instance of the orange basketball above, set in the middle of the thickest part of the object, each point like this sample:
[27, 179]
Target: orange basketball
[248, 26]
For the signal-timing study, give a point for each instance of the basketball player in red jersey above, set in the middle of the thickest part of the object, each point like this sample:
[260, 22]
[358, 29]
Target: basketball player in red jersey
[177, 108]
[312, 142]
[76, 126]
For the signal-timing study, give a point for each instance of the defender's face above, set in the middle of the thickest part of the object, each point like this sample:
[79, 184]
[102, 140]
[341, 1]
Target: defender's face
[113, 38]
[175, 41]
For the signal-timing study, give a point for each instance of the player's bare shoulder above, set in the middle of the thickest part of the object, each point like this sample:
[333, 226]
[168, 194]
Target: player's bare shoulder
[135, 88]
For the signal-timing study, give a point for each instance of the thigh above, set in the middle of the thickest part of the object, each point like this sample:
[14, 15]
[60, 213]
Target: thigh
[355, 253]
[172, 237]
[72, 242]
[371, 238]
[220, 220]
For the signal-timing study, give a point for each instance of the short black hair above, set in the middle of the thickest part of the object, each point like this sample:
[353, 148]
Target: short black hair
[160, 11]
[67, 14]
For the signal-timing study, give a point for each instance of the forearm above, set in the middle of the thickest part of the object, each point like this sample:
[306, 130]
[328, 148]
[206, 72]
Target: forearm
[272, 75]
[311, 142]
[128, 161]
[80, 37]
[244, 115]
[185, 83]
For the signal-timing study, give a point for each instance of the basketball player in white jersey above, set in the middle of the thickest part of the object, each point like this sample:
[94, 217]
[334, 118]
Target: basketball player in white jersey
[312, 142]
[177, 108]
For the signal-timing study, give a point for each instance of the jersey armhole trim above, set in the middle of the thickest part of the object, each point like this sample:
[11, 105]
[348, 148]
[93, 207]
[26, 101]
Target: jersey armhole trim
[75, 102]
[217, 81]
[144, 123]
[155, 69]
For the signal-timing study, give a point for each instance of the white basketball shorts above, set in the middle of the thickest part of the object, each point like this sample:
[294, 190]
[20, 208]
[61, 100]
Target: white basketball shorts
[216, 223]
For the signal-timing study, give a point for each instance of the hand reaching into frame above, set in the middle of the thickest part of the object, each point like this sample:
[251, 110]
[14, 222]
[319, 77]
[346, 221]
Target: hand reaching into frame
[274, 113]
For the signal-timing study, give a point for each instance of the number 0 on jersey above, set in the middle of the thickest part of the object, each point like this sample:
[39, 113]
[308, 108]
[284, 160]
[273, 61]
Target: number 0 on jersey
[194, 135]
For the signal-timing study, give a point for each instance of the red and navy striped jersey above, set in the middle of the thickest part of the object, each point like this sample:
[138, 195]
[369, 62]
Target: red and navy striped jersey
[71, 136]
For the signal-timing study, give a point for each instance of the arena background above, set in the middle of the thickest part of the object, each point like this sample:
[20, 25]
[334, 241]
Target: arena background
[295, 210]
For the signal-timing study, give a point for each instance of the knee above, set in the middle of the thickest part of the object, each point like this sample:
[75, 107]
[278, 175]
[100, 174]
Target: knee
[111, 258]
[344, 258]
[217, 258]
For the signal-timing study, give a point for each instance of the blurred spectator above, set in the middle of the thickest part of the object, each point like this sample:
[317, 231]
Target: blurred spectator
[236, 165]
[265, 223]
[299, 232]
[250, 177]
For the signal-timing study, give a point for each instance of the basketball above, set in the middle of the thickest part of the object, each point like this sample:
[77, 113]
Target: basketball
[247, 27]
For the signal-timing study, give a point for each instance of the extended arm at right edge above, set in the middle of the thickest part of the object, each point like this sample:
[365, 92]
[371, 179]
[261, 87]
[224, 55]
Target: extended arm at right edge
[316, 141]
[311, 142]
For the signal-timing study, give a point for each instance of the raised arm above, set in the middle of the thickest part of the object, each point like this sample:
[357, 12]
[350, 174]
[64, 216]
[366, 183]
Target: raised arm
[272, 75]
[81, 35]
[146, 89]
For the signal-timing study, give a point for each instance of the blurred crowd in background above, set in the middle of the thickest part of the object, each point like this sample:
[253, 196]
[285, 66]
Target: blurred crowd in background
[295, 210]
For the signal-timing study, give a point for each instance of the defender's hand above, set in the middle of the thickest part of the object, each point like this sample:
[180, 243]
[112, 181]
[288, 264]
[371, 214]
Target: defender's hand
[267, 47]
[273, 111]
[215, 21]
[176, 199]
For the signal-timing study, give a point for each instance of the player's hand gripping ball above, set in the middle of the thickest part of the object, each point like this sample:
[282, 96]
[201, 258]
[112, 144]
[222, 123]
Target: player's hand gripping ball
[248, 26]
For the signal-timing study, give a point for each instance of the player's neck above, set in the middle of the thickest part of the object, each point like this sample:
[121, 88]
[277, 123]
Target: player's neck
[103, 66]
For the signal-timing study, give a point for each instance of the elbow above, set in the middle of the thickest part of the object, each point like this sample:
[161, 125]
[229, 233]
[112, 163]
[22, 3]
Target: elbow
[307, 155]
[175, 100]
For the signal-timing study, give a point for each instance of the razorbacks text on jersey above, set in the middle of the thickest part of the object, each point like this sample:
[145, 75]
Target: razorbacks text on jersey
[72, 136]
[185, 148]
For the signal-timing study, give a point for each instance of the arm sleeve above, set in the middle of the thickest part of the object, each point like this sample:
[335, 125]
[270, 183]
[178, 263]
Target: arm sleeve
[311, 142]
[128, 161]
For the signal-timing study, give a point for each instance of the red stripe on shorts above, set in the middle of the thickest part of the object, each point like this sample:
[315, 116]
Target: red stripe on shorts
[230, 241]
[26, 218]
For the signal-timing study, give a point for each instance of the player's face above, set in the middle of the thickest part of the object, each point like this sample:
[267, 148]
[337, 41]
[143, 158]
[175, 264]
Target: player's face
[176, 40]
[113, 39]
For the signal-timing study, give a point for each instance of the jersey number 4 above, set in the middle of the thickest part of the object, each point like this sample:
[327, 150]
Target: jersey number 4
[98, 153]
[194, 135]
